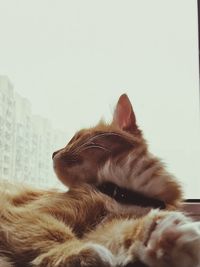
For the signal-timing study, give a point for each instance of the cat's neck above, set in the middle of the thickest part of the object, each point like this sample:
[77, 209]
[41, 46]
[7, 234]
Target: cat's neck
[143, 173]
[130, 197]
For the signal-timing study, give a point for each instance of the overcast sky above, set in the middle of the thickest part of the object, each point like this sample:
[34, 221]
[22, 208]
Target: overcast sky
[72, 60]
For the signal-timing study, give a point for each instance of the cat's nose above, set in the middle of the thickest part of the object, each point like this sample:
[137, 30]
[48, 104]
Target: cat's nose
[54, 153]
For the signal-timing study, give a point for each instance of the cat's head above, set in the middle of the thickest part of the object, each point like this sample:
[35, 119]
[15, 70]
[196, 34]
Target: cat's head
[117, 153]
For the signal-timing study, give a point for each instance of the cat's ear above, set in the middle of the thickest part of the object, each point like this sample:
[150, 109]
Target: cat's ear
[124, 116]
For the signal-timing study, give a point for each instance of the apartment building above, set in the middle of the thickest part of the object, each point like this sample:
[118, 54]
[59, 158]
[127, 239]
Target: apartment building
[27, 141]
[6, 128]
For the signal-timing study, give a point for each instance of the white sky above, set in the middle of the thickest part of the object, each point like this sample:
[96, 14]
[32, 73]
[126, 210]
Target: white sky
[72, 60]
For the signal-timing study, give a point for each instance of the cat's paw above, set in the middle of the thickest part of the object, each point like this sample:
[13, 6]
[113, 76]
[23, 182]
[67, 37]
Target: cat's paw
[90, 255]
[174, 241]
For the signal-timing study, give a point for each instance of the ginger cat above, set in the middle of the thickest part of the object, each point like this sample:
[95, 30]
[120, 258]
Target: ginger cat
[91, 226]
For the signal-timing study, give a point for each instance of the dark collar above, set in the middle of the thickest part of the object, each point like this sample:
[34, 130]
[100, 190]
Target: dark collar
[126, 196]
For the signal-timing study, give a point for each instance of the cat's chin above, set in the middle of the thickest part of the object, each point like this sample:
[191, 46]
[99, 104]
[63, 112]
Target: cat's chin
[61, 170]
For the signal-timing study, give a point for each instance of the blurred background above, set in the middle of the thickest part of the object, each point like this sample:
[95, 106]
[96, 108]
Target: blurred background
[63, 65]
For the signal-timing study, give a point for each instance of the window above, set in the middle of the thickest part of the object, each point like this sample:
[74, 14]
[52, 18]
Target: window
[65, 63]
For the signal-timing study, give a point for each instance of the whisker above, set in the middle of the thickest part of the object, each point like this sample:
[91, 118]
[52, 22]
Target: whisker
[95, 146]
[90, 140]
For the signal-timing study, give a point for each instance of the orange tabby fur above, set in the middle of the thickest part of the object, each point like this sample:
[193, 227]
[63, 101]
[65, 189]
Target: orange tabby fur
[84, 227]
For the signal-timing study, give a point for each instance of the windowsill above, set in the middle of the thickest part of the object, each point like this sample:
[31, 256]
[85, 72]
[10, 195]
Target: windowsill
[192, 208]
